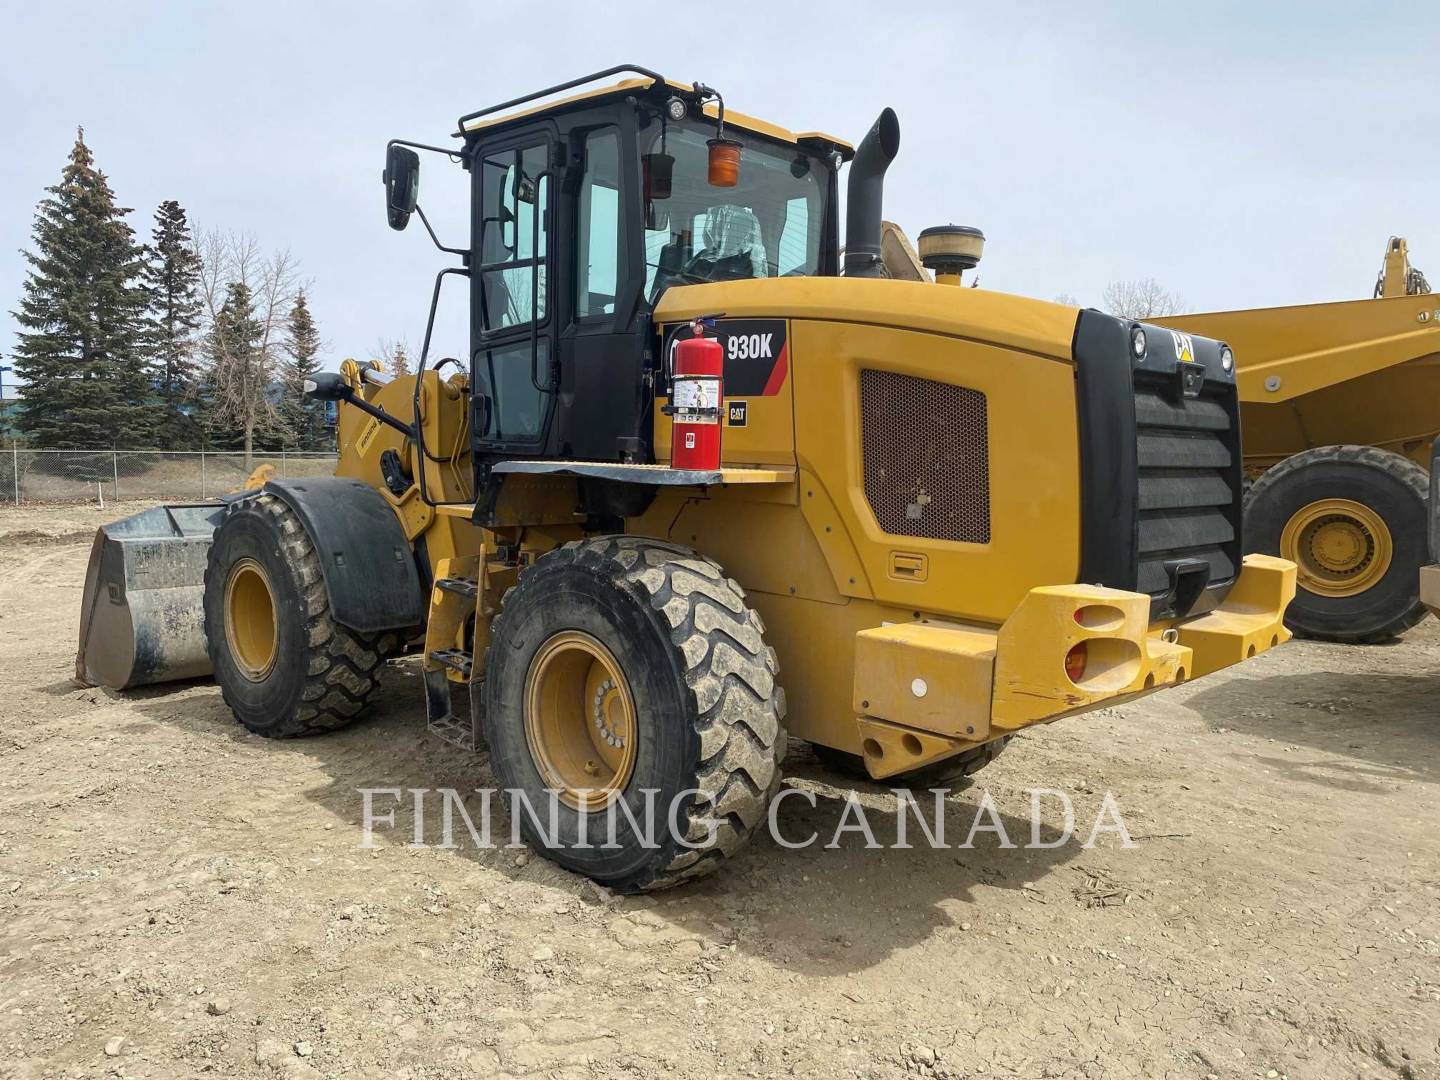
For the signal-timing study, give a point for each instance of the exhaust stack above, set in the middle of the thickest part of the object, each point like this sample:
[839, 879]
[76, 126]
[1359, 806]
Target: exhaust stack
[865, 195]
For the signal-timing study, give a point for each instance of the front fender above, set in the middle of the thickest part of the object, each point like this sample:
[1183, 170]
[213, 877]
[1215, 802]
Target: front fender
[369, 566]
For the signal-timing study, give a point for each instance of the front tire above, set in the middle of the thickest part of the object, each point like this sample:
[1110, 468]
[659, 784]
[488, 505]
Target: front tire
[1354, 520]
[284, 665]
[620, 666]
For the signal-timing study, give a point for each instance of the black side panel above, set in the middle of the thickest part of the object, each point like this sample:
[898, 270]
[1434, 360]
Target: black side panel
[1105, 398]
[369, 569]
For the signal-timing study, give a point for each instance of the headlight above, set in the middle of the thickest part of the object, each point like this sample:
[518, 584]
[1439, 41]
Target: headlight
[677, 108]
[1137, 342]
[1227, 360]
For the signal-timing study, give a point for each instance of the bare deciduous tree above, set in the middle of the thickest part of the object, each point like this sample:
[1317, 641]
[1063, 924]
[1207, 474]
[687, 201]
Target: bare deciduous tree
[1143, 298]
[1066, 299]
[247, 295]
[395, 354]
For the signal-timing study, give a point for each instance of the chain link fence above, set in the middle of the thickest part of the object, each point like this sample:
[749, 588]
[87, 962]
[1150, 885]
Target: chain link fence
[74, 476]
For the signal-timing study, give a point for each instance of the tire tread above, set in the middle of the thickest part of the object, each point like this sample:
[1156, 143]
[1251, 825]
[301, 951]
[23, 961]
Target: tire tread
[731, 675]
[343, 667]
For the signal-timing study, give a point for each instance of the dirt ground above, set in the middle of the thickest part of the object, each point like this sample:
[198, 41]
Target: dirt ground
[180, 898]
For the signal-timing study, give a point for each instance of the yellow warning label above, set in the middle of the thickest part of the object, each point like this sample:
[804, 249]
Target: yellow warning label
[367, 436]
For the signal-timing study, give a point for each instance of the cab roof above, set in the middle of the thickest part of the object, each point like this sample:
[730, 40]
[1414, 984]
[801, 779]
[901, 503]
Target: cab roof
[497, 119]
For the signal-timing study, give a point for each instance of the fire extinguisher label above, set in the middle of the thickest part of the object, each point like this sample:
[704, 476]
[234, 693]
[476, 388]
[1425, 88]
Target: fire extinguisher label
[757, 357]
[696, 396]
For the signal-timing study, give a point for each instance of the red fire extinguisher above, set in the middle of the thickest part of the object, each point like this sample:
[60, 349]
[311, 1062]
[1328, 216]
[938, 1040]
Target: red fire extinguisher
[697, 395]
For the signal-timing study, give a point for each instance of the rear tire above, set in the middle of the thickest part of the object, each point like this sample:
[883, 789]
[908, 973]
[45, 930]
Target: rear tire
[284, 666]
[1374, 503]
[698, 719]
[946, 773]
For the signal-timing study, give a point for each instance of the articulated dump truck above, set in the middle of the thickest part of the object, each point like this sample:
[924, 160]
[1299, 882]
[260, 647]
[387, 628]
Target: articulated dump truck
[1339, 404]
[694, 490]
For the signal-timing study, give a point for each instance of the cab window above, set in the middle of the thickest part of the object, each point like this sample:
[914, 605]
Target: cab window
[513, 246]
[598, 248]
[513, 240]
[768, 225]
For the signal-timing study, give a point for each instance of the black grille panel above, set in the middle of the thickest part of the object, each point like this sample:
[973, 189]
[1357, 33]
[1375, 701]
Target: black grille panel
[1187, 452]
[927, 457]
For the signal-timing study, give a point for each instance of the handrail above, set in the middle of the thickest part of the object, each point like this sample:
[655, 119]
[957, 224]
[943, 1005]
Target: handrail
[421, 455]
[617, 70]
[541, 264]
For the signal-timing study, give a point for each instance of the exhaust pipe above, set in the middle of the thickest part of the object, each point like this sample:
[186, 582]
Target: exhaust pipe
[865, 195]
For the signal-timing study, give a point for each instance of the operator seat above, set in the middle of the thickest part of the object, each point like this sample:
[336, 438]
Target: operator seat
[734, 248]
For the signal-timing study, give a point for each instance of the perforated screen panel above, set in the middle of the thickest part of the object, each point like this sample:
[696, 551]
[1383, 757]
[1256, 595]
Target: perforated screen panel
[926, 451]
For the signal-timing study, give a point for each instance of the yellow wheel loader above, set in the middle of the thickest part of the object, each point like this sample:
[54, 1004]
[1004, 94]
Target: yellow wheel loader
[936, 516]
[1338, 406]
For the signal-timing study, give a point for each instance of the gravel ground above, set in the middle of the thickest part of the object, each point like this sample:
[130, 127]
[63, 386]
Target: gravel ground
[180, 898]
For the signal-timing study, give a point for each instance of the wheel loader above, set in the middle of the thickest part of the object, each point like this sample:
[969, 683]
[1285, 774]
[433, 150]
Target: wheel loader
[934, 517]
[1338, 405]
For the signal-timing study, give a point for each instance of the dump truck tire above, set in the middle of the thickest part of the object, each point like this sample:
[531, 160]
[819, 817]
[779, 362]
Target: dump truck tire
[1354, 519]
[620, 665]
[284, 666]
[947, 773]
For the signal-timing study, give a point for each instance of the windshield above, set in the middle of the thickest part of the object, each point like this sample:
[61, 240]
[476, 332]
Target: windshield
[768, 225]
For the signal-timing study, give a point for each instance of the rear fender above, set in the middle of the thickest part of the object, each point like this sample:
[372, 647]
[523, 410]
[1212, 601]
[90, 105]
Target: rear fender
[369, 566]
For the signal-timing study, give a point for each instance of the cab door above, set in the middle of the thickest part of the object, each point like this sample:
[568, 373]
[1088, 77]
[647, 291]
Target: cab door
[604, 397]
[512, 285]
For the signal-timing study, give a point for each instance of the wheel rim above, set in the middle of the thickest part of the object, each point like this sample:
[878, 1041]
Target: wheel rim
[251, 629]
[580, 720]
[1341, 547]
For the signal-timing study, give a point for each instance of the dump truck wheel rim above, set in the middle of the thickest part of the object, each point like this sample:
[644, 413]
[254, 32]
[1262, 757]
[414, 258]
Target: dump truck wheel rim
[251, 628]
[580, 720]
[1340, 546]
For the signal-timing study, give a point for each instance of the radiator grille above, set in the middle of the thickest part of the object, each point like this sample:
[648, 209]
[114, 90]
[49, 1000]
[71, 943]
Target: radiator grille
[1188, 508]
[926, 455]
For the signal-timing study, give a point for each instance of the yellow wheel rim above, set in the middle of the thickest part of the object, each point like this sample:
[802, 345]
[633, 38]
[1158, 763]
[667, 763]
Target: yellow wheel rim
[1340, 546]
[580, 720]
[251, 629]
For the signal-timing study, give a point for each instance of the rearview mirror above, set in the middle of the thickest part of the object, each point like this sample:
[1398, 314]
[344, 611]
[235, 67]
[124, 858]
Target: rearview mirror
[402, 184]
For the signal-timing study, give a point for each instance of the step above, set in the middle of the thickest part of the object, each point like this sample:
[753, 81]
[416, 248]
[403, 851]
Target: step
[455, 660]
[461, 586]
[465, 732]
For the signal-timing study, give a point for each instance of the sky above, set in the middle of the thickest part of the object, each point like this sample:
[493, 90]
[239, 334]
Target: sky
[1242, 154]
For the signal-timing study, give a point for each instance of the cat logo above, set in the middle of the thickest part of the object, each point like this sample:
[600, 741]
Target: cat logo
[736, 413]
[1184, 347]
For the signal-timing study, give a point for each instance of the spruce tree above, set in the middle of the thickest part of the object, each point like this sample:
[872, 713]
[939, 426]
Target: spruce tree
[172, 287]
[236, 381]
[80, 351]
[304, 416]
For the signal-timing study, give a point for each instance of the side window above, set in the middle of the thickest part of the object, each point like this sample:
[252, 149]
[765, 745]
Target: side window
[519, 407]
[513, 246]
[513, 237]
[598, 251]
[795, 238]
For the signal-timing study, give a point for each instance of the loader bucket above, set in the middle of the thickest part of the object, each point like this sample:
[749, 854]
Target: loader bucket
[142, 619]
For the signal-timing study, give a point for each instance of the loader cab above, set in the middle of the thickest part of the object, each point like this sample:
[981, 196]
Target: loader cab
[583, 214]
